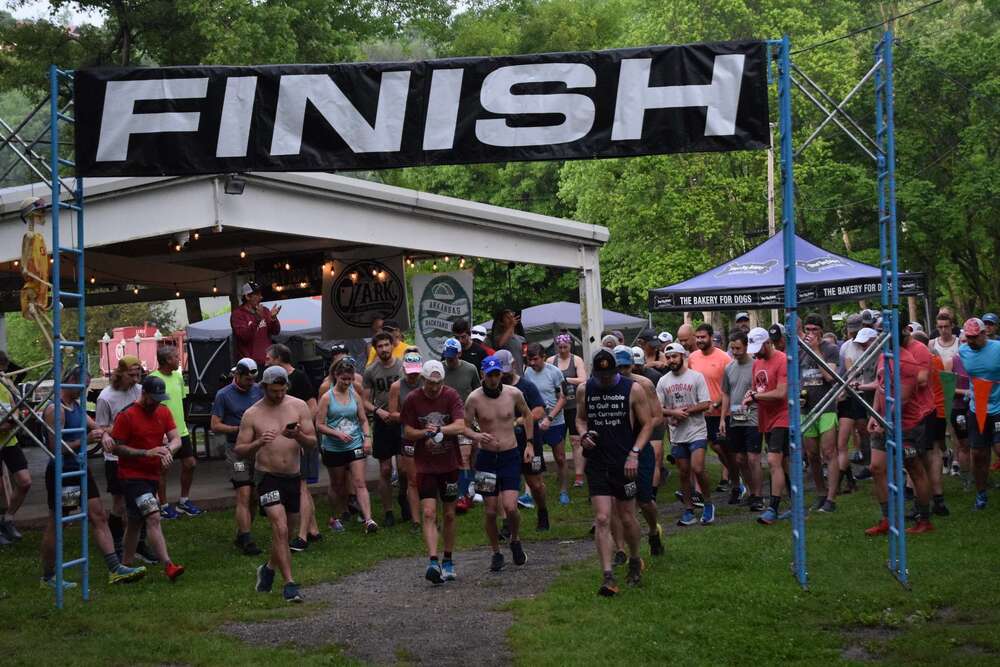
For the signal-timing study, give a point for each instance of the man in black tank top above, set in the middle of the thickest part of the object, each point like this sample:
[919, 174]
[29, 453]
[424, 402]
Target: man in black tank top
[616, 425]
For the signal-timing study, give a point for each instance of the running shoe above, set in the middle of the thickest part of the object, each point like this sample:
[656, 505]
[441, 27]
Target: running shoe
[827, 506]
[50, 582]
[371, 527]
[880, 528]
[635, 568]
[679, 495]
[291, 592]
[390, 519]
[448, 571]
[980, 500]
[526, 501]
[656, 541]
[708, 514]
[543, 520]
[818, 504]
[734, 496]
[785, 516]
[126, 575]
[477, 499]
[189, 508]
[941, 509]
[298, 545]
[756, 504]
[697, 500]
[956, 469]
[687, 519]
[767, 517]
[564, 498]
[10, 531]
[722, 486]
[609, 588]
[433, 573]
[265, 578]
[863, 474]
[143, 553]
[168, 513]
[497, 563]
[173, 571]
[463, 505]
[517, 553]
[923, 526]
[336, 525]
[578, 482]
[314, 537]
[620, 559]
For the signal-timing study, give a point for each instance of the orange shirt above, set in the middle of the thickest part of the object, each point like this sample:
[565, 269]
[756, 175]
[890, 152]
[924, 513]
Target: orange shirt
[713, 367]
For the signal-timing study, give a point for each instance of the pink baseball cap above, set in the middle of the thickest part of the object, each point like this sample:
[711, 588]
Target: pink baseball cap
[973, 327]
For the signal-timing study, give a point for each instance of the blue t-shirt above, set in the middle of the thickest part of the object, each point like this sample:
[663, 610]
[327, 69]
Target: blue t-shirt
[534, 400]
[231, 402]
[983, 364]
[549, 382]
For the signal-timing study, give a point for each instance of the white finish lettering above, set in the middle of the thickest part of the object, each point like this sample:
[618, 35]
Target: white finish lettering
[442, 109]
[237, 114]
[635, 96]
[496, 97]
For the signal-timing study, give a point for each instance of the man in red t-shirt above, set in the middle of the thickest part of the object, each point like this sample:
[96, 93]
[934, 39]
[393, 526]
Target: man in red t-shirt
[254, 325]
[433, 416]
[711, 362]
[139, 432]
[770, 393]
[914, 391]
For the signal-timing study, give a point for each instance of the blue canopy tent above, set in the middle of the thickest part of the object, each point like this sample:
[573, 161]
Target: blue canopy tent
[757, 280]
[542, 323]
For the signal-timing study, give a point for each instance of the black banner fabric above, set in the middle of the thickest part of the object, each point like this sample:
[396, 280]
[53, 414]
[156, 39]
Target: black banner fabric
[554, 106]
[911, 284]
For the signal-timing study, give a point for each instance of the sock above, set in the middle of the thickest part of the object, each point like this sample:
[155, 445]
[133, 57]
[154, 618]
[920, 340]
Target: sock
[447, 556]
[885, 510]
[434, 560]
[923, 512]
[938, 498]
[775, 502]
[48, 572]
[608, 574]
[111, 560]
[182, 501]
[242, 538]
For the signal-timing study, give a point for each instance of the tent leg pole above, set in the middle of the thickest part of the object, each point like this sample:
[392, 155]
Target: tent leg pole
[591, 307]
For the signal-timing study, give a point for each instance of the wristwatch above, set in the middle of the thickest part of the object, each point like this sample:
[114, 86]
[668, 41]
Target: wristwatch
[635, 450]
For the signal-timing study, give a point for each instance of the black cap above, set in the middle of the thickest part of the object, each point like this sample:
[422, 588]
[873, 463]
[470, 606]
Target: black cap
[604, 362]
[776, 332]
[647, 335]
[155, 388]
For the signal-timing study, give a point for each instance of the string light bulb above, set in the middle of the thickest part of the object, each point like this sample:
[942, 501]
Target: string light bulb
[93, 280]
[447, 259]
[135, 290]
[461, 263]
[288, 267]
[374, 272]
[243, 254]
[177, 294]
[354, 276]
[303, 284]
[215, 289]
[434, 266]
[195, 236]
[17, 263]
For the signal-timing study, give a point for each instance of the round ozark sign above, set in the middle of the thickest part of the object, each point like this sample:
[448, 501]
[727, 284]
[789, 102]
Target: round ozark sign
[366, 290]
[443, 301]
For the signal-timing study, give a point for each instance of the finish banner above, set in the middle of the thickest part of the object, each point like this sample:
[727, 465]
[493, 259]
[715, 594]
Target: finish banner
[552, 106]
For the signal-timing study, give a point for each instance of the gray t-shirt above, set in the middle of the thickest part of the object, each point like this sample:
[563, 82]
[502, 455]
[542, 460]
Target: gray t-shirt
[463, 379]
[684, 390]
[549, 383]
[514, 345]
[814, 385]
[736, 382]
[109, 403]
[379, 378]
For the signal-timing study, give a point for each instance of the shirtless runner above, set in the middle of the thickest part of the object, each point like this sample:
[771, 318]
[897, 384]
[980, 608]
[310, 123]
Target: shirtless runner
[494, 406]
[273, 430]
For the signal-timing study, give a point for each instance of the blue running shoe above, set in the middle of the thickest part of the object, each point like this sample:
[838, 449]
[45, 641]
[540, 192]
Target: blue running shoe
[265, 578]
[708, 514]
[687, 519]
[189, 508]
[564, 498]
[767, 517]
[526, 501]
[785, 516]
[291, 592]
[167, 512]
[980, 500]
[124, 574]
[50, 582]
[448, 571]
[433, 573]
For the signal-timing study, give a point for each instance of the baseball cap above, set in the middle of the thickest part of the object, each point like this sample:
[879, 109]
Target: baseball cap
[274, 374]
[431, 369]
[638, 356]
[867, 317]
[128, 361]
[623, 355]
[604, 362]
[412, 363]
[854, 321]
[757, 337]
[609, 342]
[506, 360]
[865, 335]
[991, 318]
[245, 366]
[452, 348]
[742, 316]
[776, 332]
[647, 335]
[491, 365]
[478, 333]
[665, 337]
[155, 388]
[249, 287]
[675, 348]
[916, 326]
[973, 327]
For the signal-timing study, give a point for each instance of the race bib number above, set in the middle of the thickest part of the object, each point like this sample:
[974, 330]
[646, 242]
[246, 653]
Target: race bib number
[409, 450]
[270, 498]
[630, 489]
[239, 466]
[486, 482]
[451, 489]
[536, 464]
[739, 417]
[359, 453]
[909, 452]
[71, 497]
[462, 440]
[147, 504]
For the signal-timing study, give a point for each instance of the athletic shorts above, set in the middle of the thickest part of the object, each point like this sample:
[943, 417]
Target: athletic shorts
[960, 422]
[826, 422]
[114, 482]
[309, 464]
[443, 485]
[71, 487]
[605, 480]
[713, 429]
[274, 489]
[659, 432]
[570, 416]
[12, 457]
[386, 439]
[851, 408]
[683, 450]
[240, 469]
[141, 498]
[743, 439]
[537, 465]
[645, 492]
[506, 466]
[186, 450]
[554, 437]
[925, 442]
[342, 459]
[911, 440]
[777, 441]
[939, 428]
[989, 435]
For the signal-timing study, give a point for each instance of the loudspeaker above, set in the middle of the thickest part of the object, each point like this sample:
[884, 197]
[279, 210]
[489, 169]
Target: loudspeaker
[209, 364]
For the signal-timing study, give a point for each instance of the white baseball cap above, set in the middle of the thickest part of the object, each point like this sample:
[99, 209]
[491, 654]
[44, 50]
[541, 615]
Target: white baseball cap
[638, 356]
[431, 368]
[665, 337]
[865, 335]
[675, 348]
[756, 339]
[478, 333]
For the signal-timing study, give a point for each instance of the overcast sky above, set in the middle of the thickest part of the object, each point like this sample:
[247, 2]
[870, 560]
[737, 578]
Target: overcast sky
[40, 9]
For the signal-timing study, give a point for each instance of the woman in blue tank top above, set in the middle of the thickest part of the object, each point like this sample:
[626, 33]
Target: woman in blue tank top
[346, 443]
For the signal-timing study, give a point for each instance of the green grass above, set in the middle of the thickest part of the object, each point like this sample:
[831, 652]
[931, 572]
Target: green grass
[725, 595]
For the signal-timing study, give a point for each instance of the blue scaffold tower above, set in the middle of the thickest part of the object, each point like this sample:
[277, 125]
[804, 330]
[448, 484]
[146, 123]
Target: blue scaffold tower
[881, 149]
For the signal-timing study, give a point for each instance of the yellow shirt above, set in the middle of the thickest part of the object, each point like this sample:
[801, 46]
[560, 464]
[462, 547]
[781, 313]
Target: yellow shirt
[397, 352]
